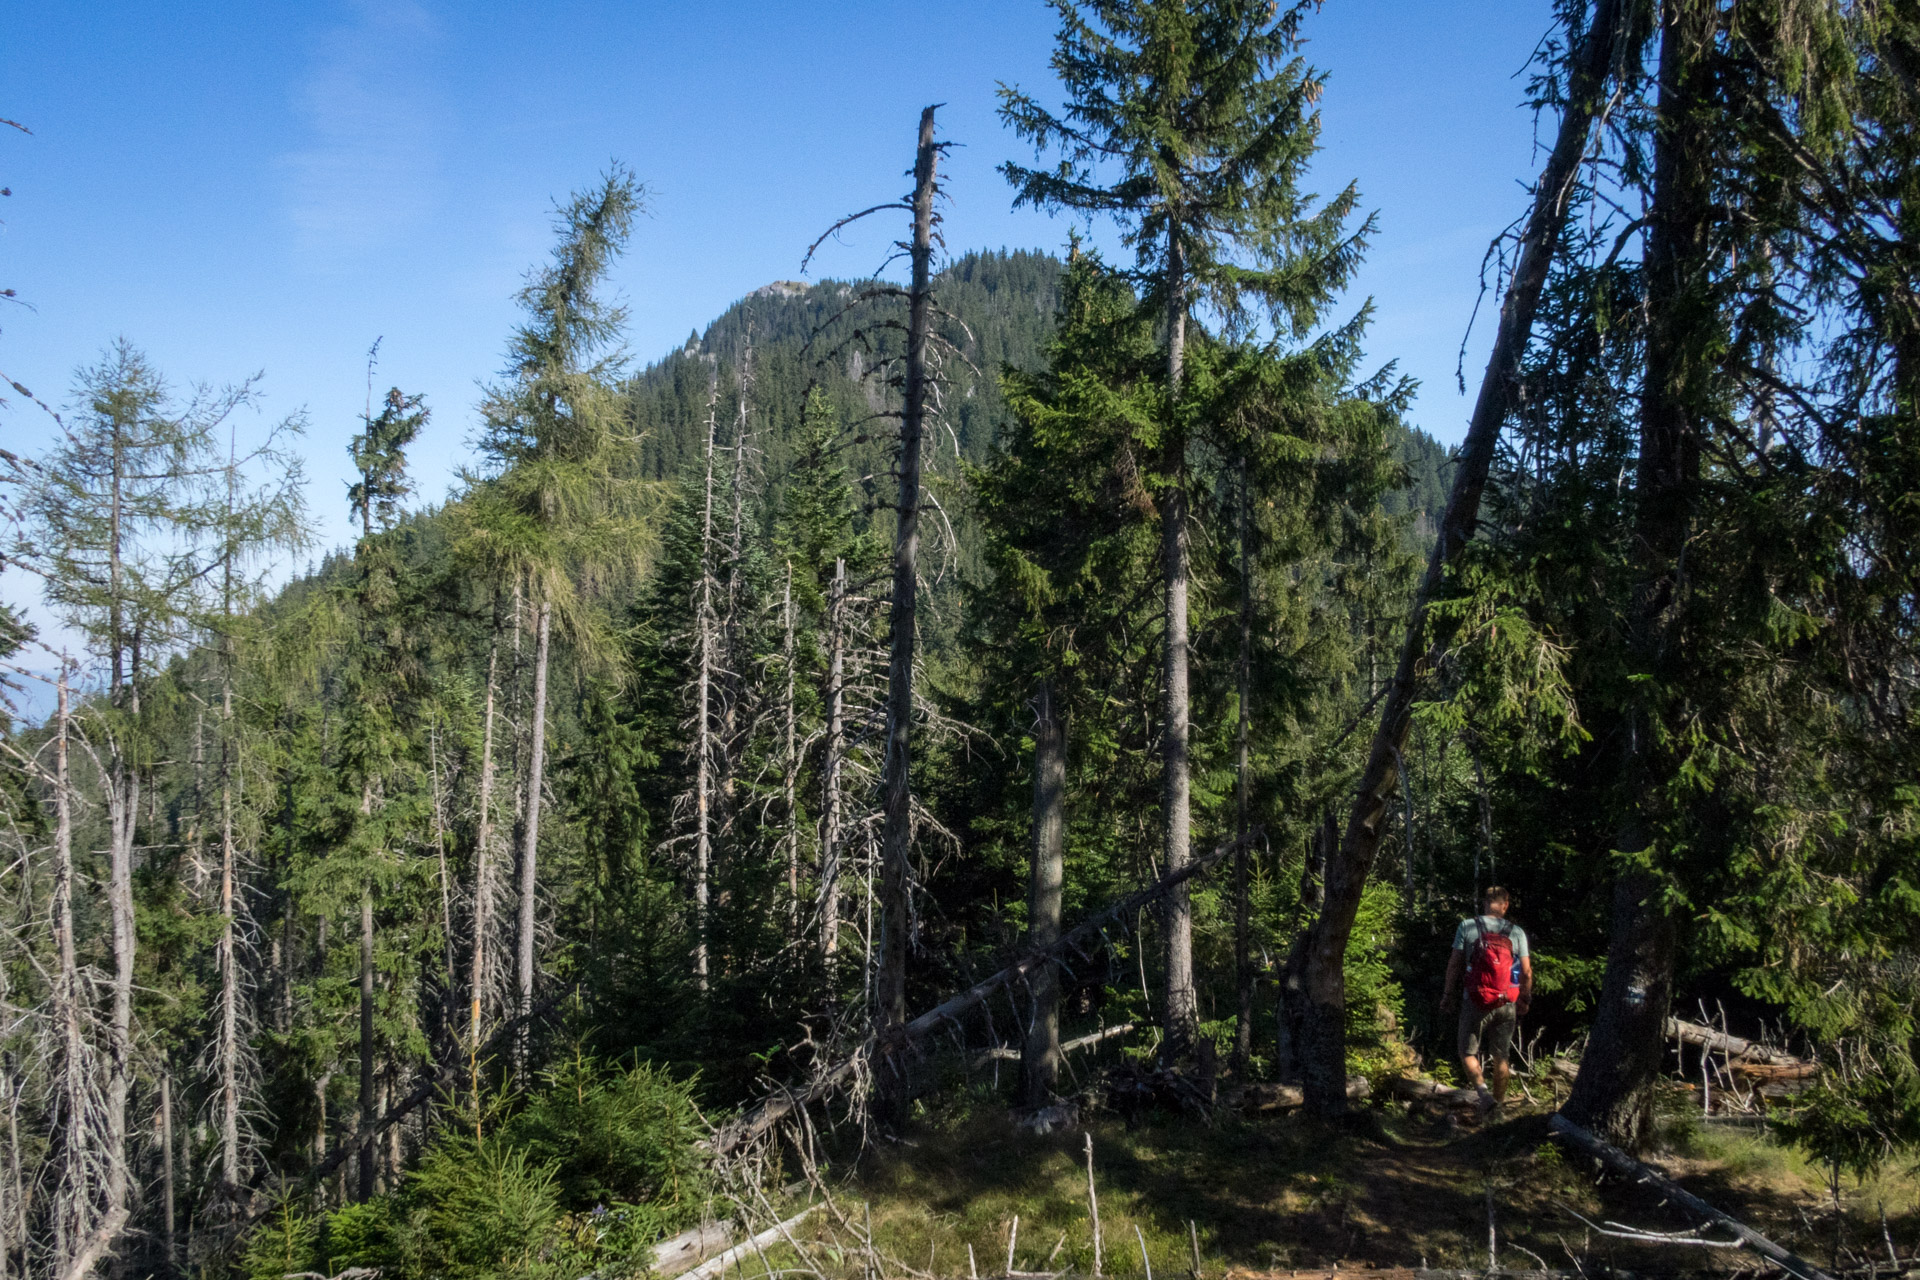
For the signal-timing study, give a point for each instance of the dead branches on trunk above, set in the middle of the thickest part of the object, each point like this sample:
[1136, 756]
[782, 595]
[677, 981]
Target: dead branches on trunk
[759, 1120]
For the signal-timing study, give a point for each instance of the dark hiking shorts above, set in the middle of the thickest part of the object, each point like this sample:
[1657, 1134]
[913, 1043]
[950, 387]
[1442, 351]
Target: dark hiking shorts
[1487, 1033]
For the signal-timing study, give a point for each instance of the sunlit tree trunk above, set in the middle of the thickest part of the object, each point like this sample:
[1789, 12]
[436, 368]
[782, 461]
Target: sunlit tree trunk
[227, 1049]
[1180, 1009]
[530, 844]
[483, 869]
[1040, 1059]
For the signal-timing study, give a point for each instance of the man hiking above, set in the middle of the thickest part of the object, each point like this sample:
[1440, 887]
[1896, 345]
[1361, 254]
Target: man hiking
[1490, 954]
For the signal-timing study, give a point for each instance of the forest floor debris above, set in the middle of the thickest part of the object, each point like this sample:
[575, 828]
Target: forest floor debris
[1396, 1195]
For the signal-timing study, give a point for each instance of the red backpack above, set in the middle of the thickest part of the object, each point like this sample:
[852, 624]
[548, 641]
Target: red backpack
[1490, 965]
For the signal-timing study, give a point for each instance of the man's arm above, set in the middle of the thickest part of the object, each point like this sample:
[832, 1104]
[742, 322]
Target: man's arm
[1526, 982]
[1456, 969]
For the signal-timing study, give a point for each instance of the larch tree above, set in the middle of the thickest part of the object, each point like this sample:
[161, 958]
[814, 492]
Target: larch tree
[1192, 128]
[260, 512]
[114, 525]
[565, 515]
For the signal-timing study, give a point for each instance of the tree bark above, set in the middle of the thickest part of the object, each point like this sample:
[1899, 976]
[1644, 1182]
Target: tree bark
[530, 844]
[896, 842]
[1316, 982]
[1613, 1094]
[483, 869]
[228, 1048]
[73, 1189]
[168, 1251]
[1181, 1009]
[1040, 1064]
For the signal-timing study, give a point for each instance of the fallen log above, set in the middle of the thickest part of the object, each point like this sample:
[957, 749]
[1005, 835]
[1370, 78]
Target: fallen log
[1622, 1163]
[1005, 1054]
[1284, 1097]
[1738, 1052]
[718, 1264]
[689, 1248]
[758, 1120]
[1432, 1092]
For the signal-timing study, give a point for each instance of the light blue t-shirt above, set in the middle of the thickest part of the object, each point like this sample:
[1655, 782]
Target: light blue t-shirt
[1469, 933]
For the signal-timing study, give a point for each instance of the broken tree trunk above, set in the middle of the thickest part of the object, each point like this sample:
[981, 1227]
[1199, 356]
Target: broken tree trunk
[896, 839]
[1316, 1003]
[1738, 1052]
[1622, 1163]
[760, 1119]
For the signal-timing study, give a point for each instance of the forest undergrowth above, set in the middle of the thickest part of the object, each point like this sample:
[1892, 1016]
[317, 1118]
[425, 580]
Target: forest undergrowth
[1286, 1192]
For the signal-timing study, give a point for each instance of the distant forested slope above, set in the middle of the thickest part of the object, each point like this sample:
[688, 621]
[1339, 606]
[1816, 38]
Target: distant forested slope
[1001, 307]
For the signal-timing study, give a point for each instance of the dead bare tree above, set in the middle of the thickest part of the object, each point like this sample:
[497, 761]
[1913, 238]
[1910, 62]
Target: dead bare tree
[896, 872]
[706, 624]
[790, 808]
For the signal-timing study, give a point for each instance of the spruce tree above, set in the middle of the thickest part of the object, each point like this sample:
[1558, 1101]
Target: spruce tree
[1192, 128]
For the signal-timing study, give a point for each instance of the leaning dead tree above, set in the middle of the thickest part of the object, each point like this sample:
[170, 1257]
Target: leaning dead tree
[1314, 986]
[888, 1048]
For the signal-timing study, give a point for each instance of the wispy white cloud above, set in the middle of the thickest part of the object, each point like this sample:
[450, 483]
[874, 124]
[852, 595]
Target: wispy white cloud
[367, 172]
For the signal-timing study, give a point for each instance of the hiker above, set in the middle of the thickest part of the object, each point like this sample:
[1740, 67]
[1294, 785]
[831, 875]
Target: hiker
[1490, 954]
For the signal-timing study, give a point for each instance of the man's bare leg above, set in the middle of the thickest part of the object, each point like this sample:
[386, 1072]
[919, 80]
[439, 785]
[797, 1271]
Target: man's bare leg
[1472, 1066]
[1500, 1073]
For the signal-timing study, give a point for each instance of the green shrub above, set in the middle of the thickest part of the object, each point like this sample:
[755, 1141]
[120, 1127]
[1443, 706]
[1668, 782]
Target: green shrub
[591, 1171]
[616, 1137]
[286, 1243]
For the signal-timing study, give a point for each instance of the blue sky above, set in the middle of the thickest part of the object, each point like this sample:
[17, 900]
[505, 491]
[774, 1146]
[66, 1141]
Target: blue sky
[268, 187]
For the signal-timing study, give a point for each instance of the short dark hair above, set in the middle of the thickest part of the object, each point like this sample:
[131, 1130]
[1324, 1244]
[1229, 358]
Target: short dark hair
[1495, 894]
